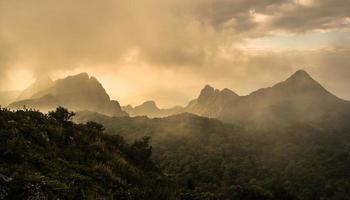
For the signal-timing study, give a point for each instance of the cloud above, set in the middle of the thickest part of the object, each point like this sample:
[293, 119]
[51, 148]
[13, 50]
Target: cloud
[303, 16]
[199, 36]
[62, 34]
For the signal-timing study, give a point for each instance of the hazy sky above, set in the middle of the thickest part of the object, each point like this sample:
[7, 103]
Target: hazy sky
[167, 50]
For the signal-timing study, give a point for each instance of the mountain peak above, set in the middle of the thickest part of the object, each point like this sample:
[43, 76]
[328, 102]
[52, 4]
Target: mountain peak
[301, 75]
[301, 79]
[76, 92]
[206, 92]
[149, 104]
[207, 89]
[227, 92]
[81, 76]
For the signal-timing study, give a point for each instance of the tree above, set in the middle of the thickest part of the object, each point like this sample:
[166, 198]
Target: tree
[95, 126]
[61, 115]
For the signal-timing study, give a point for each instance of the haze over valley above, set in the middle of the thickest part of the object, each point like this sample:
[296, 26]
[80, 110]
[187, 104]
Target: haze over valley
[175, 100]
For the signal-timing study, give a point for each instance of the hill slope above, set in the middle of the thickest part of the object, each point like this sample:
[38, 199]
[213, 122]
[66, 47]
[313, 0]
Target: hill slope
[49, 157]
[225, 161]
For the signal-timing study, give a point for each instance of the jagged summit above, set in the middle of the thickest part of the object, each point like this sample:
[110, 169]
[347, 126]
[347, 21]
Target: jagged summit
[299, 97]
[208, 92]
[76, 92]
[208, 88]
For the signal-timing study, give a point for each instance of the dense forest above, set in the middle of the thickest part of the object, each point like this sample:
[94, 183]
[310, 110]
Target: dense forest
[213, 160]
[46, 156]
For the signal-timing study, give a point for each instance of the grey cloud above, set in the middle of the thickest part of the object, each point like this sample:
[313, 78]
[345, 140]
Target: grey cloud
[288, 15]
[326, 14]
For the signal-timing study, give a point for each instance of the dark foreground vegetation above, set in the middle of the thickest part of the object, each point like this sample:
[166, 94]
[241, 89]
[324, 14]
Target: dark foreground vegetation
[49, 157]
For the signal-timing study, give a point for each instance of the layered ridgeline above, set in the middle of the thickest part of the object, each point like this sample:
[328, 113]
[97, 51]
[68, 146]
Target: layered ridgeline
[150, 109]
[298, 99]
[213, 160]
[79, 92]
[46, 156]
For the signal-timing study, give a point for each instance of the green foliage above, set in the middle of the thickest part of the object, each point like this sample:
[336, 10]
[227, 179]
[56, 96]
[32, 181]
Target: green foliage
[191, 158]
[61, 115]
[211, 160]
[50, 157]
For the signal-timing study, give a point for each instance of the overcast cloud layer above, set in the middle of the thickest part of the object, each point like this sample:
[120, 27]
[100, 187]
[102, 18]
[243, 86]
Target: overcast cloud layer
[164, 48]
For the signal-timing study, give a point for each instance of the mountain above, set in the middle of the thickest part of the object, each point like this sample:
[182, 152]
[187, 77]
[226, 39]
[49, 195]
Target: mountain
[211, 102]
[7, 97]
[298, 99]
[40, 84]
[150, 109]
[79, 92]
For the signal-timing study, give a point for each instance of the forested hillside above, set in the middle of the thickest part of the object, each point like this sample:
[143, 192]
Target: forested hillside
[224, 161]
[46, 156]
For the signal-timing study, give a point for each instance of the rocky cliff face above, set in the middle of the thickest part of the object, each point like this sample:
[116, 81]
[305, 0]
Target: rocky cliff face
[211, 102]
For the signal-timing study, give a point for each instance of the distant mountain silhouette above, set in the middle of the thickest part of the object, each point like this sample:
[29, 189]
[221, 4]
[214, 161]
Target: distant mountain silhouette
[150, 109]
[298, 99]
[40, 84]
[79, 92]
[211, 102]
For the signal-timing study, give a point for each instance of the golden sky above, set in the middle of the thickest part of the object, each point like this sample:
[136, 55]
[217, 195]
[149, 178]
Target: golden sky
[167, 50]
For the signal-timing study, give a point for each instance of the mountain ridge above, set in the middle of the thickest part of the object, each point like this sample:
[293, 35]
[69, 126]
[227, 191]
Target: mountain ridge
[149, 108]
[298, 98]
[77, 92]
[295, 99]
